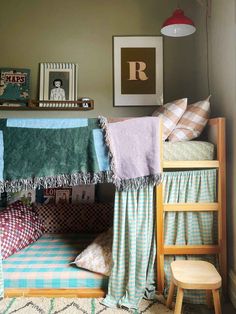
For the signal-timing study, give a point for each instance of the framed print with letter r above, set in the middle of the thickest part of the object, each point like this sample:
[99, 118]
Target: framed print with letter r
[138, 70]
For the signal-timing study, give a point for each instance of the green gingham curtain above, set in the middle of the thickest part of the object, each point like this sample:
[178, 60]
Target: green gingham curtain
[134, 249]
[134, 246]
[190, 227]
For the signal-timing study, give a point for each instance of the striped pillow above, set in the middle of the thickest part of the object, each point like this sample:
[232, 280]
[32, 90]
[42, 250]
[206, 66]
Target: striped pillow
[192, 122]
[170, 114]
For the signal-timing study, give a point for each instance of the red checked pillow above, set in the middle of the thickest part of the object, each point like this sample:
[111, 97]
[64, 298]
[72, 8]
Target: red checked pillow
[20, 226]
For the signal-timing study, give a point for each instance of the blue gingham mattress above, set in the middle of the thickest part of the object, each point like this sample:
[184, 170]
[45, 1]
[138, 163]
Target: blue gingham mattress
[46, 264]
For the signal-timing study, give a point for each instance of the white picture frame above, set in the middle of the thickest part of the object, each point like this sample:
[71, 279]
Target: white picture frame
[62, 196]
[144, 55]
[27, 197]
[58, 81]
[84, 193]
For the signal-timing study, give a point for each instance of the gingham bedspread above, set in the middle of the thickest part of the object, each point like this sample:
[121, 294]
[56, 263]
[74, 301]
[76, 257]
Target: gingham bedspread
[45, 264]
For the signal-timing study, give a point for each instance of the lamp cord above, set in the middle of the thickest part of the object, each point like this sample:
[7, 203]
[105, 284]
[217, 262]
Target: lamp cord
[208, 12]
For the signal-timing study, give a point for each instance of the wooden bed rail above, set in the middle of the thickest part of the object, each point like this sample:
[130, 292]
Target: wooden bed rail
[214, 133]
[55, 293]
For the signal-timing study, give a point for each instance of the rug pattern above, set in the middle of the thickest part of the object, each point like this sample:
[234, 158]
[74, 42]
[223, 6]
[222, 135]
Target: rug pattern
[72, 306]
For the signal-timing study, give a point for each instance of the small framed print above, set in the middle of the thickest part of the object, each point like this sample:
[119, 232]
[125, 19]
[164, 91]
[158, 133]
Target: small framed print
[58, 81]
[63, 196]
[26, 197]
[138, 70]
[84, 193]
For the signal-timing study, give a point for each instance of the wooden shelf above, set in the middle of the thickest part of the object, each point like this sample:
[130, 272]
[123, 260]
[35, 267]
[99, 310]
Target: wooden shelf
[44, 108]
[34, 105]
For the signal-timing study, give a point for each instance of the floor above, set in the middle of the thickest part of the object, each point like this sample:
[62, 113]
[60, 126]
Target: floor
[200, 309]
[228, 309]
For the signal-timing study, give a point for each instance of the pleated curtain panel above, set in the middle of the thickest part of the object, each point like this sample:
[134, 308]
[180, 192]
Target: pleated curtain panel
[134, 246]
[134, 249]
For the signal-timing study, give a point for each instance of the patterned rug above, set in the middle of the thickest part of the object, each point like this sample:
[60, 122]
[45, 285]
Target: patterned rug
[87, 306]
[72, 306]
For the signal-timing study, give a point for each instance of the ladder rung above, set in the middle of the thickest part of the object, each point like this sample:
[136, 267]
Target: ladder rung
[190, 207]
[190, 249]
[191, 164]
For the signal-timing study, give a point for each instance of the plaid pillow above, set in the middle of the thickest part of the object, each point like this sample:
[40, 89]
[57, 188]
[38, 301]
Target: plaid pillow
[19, 226]
[192, 122]
[170, 114]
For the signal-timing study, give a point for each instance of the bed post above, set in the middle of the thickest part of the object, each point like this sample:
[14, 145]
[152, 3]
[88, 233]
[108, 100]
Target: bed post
[216, 135]
[222, 237]
[160, 222]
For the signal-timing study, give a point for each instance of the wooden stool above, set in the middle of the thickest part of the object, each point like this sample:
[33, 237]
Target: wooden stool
[188, 274]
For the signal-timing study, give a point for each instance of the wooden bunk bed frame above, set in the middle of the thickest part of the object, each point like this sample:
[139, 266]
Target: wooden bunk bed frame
[215, 132]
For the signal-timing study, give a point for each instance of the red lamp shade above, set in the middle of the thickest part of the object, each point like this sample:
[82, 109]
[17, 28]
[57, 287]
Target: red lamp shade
[178, 25]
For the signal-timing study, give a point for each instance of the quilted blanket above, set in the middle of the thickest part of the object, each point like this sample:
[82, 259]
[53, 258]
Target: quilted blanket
[51, 153]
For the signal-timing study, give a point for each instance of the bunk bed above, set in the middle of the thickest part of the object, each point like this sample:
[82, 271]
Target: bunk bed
[215, 134]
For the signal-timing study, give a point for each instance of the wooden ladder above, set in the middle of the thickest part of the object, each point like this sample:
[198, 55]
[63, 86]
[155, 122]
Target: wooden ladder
[216, 135]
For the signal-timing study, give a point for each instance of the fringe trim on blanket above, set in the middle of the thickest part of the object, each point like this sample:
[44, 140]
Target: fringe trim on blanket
[56, 181]
[103, 124]
[137, 183]
[125, 184]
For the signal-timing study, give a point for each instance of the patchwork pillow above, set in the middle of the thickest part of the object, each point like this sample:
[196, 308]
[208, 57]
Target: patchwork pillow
[97, 257]
[170, 114]
[20, 226]
[192, 122]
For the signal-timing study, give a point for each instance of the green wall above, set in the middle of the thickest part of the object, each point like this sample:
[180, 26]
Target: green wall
[222, 75]
[223, 82]
[81, 31]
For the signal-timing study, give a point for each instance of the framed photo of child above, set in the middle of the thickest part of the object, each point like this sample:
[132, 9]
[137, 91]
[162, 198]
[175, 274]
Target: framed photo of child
[58, 82]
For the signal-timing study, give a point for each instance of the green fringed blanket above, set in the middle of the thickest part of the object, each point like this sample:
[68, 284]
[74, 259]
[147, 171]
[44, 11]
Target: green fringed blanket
[68, 152]
[51, 153]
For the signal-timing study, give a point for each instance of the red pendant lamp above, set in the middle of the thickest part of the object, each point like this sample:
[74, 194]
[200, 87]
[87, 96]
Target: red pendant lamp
[178, 25]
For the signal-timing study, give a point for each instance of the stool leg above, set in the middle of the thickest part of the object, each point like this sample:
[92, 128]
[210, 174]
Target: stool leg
[216, 298]
[179, 300]
[209, 298]
[170, 294]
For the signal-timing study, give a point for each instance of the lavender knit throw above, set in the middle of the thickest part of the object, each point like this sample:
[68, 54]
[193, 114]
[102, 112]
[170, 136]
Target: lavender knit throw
[134, 151]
